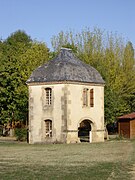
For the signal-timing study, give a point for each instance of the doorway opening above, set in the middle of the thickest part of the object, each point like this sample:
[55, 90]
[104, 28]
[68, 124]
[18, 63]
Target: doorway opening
[84, 131]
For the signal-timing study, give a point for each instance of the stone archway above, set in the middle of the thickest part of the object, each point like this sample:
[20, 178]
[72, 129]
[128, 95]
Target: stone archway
[84, 130]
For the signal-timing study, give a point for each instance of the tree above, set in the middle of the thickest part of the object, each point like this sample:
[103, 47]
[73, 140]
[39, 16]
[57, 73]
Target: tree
[128, 65]
[19, 56]
[115, 62]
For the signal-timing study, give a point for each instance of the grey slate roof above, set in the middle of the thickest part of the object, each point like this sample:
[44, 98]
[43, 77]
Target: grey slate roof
[65, 67]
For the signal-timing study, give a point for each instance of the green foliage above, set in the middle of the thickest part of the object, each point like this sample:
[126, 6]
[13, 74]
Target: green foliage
[108, 53]
[114, 60]
[18, 37]
[71, 46]
[19, 56]
[21, 134]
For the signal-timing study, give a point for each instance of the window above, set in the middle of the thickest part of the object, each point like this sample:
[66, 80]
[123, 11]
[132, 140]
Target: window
[88, 97]
[85, 97]
[48, 96]
[91, 98]
[48, 128]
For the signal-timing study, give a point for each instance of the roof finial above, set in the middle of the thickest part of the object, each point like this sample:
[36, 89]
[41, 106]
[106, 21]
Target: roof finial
[67, 49]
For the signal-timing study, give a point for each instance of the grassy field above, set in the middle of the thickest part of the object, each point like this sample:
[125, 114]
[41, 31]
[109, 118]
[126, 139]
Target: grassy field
[96, 161]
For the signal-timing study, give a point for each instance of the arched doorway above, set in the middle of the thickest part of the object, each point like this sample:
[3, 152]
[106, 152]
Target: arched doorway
[84, 131]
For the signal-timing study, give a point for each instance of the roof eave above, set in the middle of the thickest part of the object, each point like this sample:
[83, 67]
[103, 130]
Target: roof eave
[31, 83]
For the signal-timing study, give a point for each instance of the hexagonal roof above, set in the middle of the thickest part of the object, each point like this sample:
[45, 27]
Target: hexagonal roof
[65, 67]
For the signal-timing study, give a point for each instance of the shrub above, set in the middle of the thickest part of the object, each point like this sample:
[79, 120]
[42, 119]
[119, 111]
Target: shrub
[21, 134]
[1, 130]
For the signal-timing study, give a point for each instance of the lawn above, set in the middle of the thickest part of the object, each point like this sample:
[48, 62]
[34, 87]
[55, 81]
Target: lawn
[96, 161]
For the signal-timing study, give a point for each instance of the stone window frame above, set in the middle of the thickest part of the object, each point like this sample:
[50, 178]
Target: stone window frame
[48, 128]
[88, 97]
[48, 96]
[85, 97]
[92, 97]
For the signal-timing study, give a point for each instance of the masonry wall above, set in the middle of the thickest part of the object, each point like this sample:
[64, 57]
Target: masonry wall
[77, 112]
[66, 112]
[39, 112]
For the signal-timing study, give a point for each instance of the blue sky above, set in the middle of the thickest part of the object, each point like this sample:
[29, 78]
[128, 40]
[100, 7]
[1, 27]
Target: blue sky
[41, 19]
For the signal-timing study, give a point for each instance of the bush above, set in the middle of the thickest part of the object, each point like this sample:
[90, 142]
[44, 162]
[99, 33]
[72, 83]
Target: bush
[1, 130]
[21, 134]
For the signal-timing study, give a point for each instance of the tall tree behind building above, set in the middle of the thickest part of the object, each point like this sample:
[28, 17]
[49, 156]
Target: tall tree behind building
[114, 60]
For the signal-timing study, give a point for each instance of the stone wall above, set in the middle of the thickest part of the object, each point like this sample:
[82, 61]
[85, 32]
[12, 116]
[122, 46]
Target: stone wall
[66, 112]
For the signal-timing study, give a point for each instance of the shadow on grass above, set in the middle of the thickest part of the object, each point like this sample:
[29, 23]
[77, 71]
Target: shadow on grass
[99, 171]
[73, 162]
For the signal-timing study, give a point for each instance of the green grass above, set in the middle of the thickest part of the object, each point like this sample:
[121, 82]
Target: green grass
[97, 161]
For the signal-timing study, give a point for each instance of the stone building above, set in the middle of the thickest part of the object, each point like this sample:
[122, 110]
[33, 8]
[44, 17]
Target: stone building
[66, 101]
